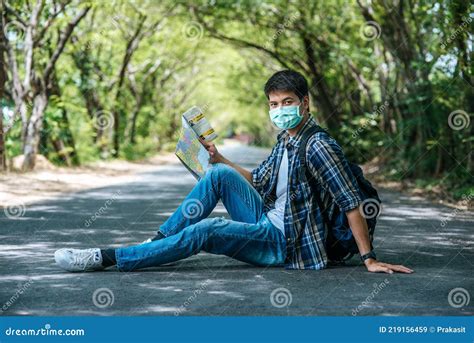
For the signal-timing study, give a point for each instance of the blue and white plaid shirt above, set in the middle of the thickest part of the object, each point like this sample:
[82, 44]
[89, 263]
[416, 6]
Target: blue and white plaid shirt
[329, 177]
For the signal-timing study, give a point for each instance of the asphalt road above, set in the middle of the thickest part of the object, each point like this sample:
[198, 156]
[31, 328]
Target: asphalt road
[436, 241]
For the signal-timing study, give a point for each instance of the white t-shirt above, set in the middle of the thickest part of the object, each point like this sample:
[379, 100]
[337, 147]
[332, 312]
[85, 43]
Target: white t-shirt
[277, 214]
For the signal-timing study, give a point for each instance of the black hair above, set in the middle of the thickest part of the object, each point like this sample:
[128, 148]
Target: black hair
[287, 80]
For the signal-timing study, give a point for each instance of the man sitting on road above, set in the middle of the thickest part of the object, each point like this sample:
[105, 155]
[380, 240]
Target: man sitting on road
[275, 220]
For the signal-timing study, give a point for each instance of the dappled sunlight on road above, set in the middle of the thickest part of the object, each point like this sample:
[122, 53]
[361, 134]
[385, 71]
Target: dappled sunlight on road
[434, 240]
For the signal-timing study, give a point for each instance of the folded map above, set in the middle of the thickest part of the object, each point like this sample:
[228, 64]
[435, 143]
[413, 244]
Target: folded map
[189, 149]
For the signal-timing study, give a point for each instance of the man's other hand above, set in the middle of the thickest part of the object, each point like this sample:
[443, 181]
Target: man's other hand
[375, 266]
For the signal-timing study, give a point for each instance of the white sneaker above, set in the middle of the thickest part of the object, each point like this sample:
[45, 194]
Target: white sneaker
[79, 260]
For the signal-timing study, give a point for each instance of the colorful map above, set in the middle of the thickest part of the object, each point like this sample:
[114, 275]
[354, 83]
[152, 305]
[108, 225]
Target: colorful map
[191, 152]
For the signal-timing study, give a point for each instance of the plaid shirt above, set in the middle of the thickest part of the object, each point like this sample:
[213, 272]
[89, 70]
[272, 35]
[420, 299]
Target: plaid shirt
[329, 177]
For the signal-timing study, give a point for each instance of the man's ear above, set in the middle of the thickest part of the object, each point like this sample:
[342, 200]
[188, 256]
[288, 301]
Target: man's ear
[306, 103]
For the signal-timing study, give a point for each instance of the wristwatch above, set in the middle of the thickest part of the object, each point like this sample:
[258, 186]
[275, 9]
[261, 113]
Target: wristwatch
[370, 254]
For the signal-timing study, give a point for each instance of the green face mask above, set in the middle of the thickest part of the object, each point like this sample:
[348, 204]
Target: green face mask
[286, 117]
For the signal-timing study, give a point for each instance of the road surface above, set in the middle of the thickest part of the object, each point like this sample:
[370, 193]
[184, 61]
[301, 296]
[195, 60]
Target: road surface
[435, 241]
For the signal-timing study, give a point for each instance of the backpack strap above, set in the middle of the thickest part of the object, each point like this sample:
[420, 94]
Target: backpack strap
[302, 157]
[302, 147]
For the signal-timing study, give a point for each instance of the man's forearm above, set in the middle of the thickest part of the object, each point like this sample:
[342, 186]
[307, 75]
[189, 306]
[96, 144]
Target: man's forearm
[244, 172]
[358, 225]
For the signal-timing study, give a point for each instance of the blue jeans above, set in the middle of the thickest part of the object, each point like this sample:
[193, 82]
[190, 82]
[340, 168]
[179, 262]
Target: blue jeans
[249, 237]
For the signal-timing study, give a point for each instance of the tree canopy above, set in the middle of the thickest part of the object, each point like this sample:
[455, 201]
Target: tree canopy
[87, 80]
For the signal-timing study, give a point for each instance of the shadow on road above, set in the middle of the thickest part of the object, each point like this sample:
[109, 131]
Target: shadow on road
[428, 238]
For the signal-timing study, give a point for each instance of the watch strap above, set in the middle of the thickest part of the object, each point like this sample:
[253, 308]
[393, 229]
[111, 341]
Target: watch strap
[370, 254]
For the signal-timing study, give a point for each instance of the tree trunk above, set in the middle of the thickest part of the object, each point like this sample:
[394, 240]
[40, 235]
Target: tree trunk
[3, 78]
[319, 88]
[34, 76]
[3, 166]
[40, 101]
[61, 145]
[61, 150]
[69, 139]
[83, 62]
[133, 125]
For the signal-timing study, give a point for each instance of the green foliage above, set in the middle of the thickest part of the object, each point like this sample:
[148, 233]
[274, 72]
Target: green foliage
[388, 95]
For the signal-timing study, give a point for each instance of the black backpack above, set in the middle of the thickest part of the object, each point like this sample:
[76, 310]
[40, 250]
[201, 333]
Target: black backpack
[340, 243]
